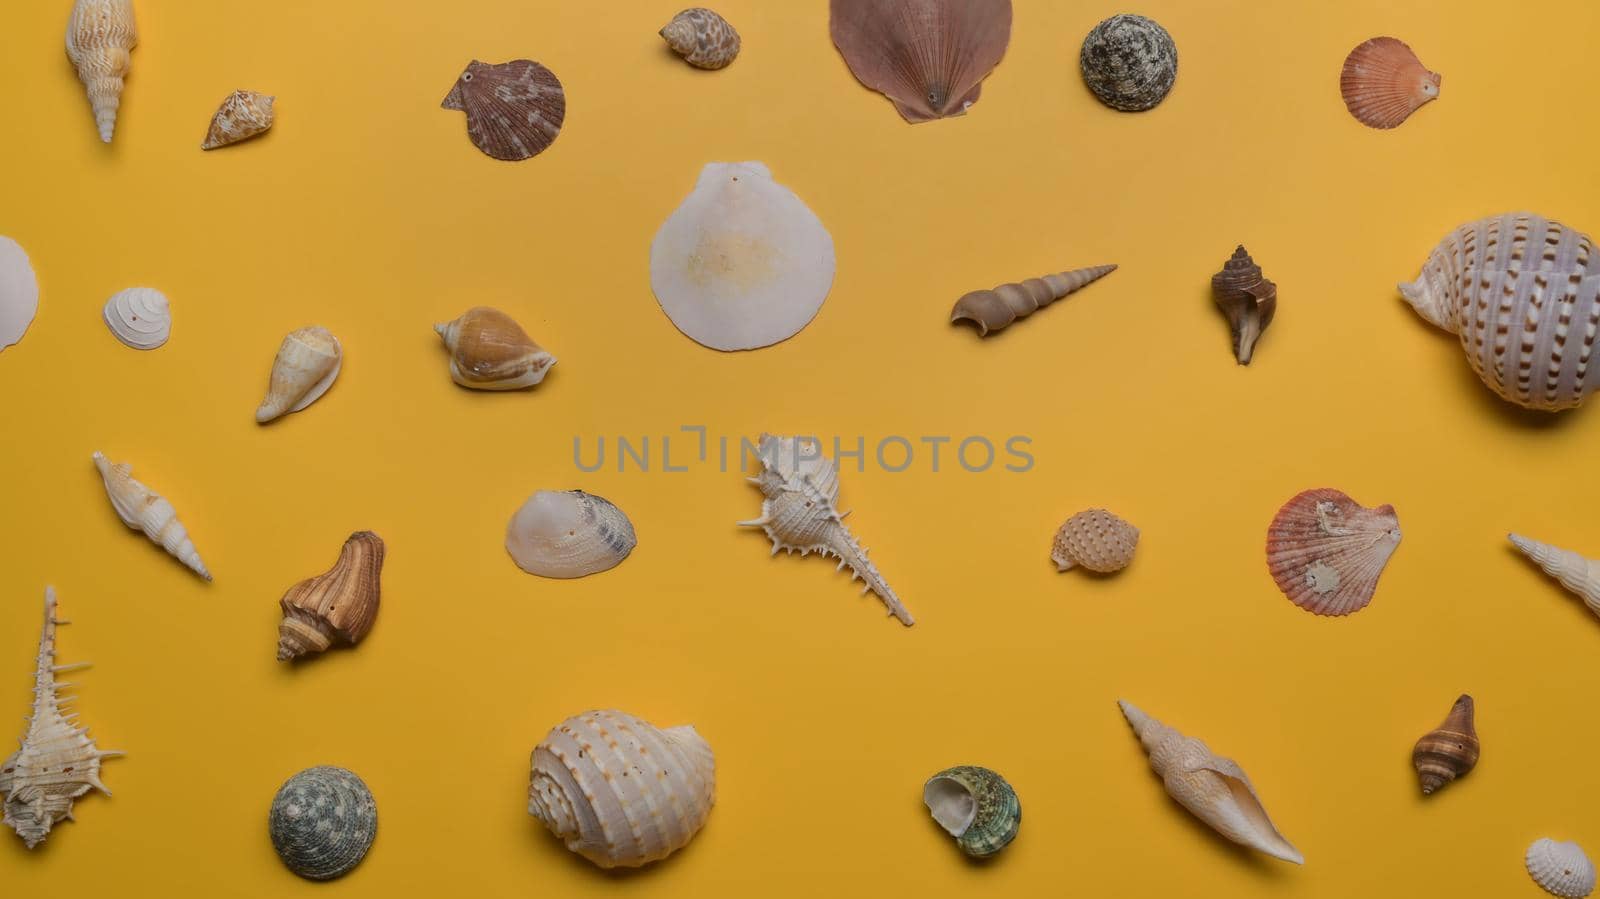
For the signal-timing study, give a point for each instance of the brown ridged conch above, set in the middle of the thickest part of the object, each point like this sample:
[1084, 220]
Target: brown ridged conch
[1326, 551]
[243, 115]
[337, 606]
[490, 351]
[514, 109]
[1248, 300]
[1213, 788]
[1523, 294]
[569, 534]
[1560, 869]
[1096, 540]
[1577, 573]
[704, 39]
[1448, 751]
[19, 292]
[100, 39]
[1383, 83]
[144, 510]
[307, 363]
[619, 791]
[994, 309]
[800, 512]
[927, 56]
[57, 762]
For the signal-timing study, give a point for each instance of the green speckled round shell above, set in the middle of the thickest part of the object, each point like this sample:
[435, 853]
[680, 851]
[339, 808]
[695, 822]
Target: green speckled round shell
[998, 814]
[322, 822]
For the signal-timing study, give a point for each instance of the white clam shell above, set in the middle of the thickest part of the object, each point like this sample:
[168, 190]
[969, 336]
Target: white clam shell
[307, 363]
[19, 292]
[140, 317]
[568, 534]
[1562, 869]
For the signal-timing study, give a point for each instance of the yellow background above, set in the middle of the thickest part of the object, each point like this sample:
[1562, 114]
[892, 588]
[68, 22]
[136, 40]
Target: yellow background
[367, 210]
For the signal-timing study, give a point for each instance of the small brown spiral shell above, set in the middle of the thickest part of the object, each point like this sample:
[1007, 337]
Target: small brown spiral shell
[1248, 300]
[1449, 750]
[994, 309]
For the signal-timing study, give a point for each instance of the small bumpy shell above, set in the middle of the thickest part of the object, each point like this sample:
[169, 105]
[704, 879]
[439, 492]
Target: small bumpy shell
[243, 115]
[101, 36]
[992, 310]
[1247, 299]
[929, 57]
[490, 351]
[704, 39]
[1130, 62]
[307, 363]
[514, 109]
[1326, 551]
[140, 317]
[1095, 539]
[1448, 751]
[19, 292]
[337, 606]
[568, 534]
[1383, 83]
[323, 821]
[976, 806]
[1561, 869]
[1576, 573]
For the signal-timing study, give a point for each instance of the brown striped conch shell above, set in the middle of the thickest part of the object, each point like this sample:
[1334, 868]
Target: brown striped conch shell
[57, 762]
[1523, 295]
[307, 363]
[1096, 540]
[514, 109]
[704, 39]
[1448, 751]
[1248, 300]
[1383, 83]
[568, 534]
[140, 317]
[1213, 788]
[1560, 869]
[994, 309]
[19, 292]
[927, 56]
[1326, 551]
[337, 606]
[243, 115]
[100, 41]
[1576, 573]
[146, 511]
[490, 351]
[619, 791]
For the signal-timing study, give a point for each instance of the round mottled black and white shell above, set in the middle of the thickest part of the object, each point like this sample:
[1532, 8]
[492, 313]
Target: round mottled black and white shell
[322, 822]
[1130, 62]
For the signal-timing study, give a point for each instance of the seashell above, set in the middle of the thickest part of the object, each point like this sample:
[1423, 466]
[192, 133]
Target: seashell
[1130, 62]
[568, 534]
[976, 806]
[929, 57]
[143, 509]
[619, 791]
[1248, 300]
[1576, 573]
[1523, 294]
[100, 39]
[1326, 551]
[57, 761]
[139, 317]
[514, 109]
[1560, 869]
[1213, 788]
[19, 292]
[1449, 750]
[490, 351]
[243, 115]
[322, 822]
[742, 263]
[1383, 83]
[338, 606]
[704, 39]
[1095, 539]
[308, 361]
[800, 512]
[994, 309]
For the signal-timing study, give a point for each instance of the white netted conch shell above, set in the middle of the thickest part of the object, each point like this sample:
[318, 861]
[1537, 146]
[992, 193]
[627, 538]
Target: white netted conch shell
[1095, 539]
[243, 115]
[139, 317]
[100, 40]
[568, 533]
[1326, 551]
[144, 510]
[1562, 869]
[1576, 573]
[308, 361]
[19, 292]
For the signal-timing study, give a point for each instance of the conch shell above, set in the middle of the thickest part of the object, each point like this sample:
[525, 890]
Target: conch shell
[58, 762]
[1383, 83]
[1215, 789]
[338, 606]
[1095, 539]
[308, 361]
[704, 39]
[976, 806]
[514, 109]
[1560, 869]
[100, 38]
[19, 292]
[1449, 750]
[568, 534]
[490, 351]
[929, 57]
[1248, 300]
[140, 317]
[143, 509]
[1326, 551]
[1576, 573]
[242, 115]
[619, 791]
[994, 309]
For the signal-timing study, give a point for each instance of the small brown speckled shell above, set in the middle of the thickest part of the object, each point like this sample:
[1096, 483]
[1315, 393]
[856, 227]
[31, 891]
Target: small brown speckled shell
[514, 109]
[243, 115]
[1095, 539]
[704, 39]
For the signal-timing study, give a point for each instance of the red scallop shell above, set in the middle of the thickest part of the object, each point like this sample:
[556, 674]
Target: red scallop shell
[1383, 82]
[1326, 551]
[514, 109]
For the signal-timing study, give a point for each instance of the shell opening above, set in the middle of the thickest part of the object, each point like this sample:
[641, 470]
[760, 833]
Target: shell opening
[951, 804]
[548, 803]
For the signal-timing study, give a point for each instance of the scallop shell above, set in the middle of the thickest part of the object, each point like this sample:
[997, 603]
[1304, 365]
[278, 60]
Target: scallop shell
[1247, 299]
[308, 361]
[1576, 573]
[704, 39]
[568, 534]
[337, 606]
[1448, 751]
[490, 351]
[242, 115]
[144, 510]
[1561, 869]
[929, 57]
[1383, 83]
[57, 761]
[101, 36]
[1213, 788]
[1095, 539]
[1326, 551]
[19, 292]
[323, 821]
[139, 317]
[1523, 294]
[976, 806]
[514, 109]
[994, 309]
[742, 263]
[1130, 62]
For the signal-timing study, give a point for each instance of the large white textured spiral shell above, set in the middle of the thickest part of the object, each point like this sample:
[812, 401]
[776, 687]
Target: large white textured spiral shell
[139, 317]
[1562, 869]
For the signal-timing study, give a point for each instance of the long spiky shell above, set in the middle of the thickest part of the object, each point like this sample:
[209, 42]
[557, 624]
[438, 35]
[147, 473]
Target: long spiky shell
[994, 309]
[1383, 83]
[101, 36]
[1448, 751]
[146, 511]
[337, 606]
[1576, 573]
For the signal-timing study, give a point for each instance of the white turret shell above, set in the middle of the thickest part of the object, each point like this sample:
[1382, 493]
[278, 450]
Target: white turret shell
[1577, 573]
[144, 510]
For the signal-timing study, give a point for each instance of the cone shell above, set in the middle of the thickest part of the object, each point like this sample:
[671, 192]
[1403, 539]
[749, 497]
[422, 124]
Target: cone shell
[619, 791]
[514, 109]
[490, 351]
[338, 606]
[992, 310]
[243, 115]
[568, 534]
[308, 361]
[1326, 551]
[139, 317]
[19, 292]
[144, 510]
[323, 821]
[100, 39]
[1576, 573]
[929, 57]
[704, 39]
[1095, 539]
[1383, 83]
[1247, 299]
[1449, 750]
[976, 806]
[1129, 62]
[1561, 869]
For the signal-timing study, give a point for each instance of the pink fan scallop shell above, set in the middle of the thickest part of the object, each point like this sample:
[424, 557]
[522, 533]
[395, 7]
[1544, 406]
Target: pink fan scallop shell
[514, 109]
[1326, 551]
[928, 56]
[1383, 82]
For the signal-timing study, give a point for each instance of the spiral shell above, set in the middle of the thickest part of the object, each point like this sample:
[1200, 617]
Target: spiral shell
[1326, 551]
[19, 292]
[976, 806]
[307, 363]
[514, 109]
[1448, 751]
[1248, 300]
[101, 36]
[139, 317]
[337, 606]
[1383, 83]
[242, 115]
[1560, 869]
[704, 39]
[992, 310]
[1575, 572]
[322, 822]
[568, 534]
[1095, 539]
[490, 351]
[929, 57]
[1130, 62]
[146, 511]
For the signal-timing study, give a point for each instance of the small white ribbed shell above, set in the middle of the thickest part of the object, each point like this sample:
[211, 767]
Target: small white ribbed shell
[1562, 869]
[144, 510]
[619, 791]
[139, 317]
[1523, 294]
[1577, 573]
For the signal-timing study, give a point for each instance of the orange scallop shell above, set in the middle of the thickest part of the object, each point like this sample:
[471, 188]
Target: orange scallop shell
[1383, 82]
[1326, 551]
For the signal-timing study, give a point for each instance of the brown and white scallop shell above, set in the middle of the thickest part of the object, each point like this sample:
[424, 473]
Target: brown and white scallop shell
[1326, 551]
[514, 109]
[1096, 540]
[704, 39]
[927, 56]
[1383, 83]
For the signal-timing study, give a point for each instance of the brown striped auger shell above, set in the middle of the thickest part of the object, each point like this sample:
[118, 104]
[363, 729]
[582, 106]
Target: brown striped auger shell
[1326, 551]
[514, 109]
[1383, 83]
[704, 39]
[992, 310]
[927, 56]
[1449, 750]
[337, 606]
[1248, 300]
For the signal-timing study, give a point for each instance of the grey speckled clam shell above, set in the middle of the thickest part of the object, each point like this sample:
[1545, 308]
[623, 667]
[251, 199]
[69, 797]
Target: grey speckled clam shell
[1130, 62]
[322, 822]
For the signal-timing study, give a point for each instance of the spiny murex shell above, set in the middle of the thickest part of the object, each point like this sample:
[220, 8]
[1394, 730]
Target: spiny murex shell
[929, 57]
[322, 822]
[1523, 294]
[976, 806]
[704, 39]
[1383, 83]
[100, 39]
[514, 109]
[1326, 551]
[619, 791]
[140, 317]
[1561, 869]
[57, 762]
[1214, 788]
[1247, 299]
[337, 606]
[490, 351]
[307, 363]
[242, 115]
[569, 533]
[144, 510]
[1095, 539]
[1576, 573]
[19, 292]
[994, 309]
[1130, 62]
[1448, 751]
[742, 262]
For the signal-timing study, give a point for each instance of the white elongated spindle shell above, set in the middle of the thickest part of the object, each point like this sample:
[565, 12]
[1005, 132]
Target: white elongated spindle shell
[307, 363]
[100, 39]
[144, 510]
[139, 317]
[1576, 573]
[19, 292]
[1560, 869]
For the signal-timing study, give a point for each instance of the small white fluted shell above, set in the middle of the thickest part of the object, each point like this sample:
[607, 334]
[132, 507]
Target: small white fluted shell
[146, 511]
[139, 317]
[567, 534]
[19, 292]
[619, 791]
[307, 363]
[1326, 551]
[1562, 869]
[1576, 573]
